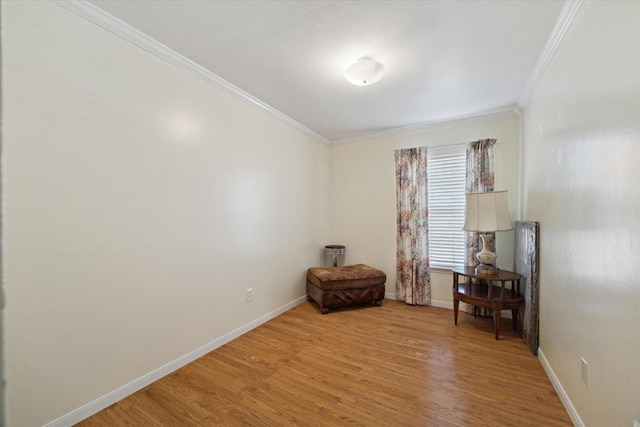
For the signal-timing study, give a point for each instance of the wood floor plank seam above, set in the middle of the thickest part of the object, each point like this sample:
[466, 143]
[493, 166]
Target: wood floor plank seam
[393, 365]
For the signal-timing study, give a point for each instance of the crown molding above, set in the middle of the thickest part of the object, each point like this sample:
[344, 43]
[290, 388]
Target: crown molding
[125, 31]
[502, 113]
[565, 19]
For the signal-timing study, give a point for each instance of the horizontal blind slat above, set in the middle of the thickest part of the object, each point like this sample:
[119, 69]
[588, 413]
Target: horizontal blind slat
[446, 202]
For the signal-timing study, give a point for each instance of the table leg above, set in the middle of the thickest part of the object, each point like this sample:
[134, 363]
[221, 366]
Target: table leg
[514, 316]
[456, 303]
[496, 322]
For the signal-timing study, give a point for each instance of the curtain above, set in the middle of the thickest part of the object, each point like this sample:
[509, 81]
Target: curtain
[479, 178]
[412, 257]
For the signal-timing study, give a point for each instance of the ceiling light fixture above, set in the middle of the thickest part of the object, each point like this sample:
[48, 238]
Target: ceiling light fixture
[364, 72]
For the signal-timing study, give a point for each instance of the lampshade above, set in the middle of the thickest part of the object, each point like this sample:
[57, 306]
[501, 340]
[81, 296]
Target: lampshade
[487, 212]
[364, 72]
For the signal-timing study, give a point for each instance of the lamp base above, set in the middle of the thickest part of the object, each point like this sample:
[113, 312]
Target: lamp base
[486, 257]
[486, 269]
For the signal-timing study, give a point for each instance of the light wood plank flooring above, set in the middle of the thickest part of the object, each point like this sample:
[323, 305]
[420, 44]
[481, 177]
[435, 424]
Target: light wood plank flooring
[395, 365]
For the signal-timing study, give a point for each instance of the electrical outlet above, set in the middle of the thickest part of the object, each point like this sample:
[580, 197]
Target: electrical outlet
[249, 294]
[584, 371]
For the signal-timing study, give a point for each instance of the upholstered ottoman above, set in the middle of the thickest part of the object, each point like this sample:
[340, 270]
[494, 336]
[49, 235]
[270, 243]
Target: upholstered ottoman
[342, 286]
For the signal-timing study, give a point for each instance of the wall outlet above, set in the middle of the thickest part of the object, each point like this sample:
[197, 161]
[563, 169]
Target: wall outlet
[249, 294]
[584, 371]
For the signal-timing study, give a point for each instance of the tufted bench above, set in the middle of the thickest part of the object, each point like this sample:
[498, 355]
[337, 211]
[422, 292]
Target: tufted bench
[341, 286]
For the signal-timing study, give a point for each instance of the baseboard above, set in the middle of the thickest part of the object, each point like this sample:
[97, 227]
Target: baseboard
[120, 393]
[434, 303]
[571, 410]
[446, 304]
[109, 399]
[442, 304]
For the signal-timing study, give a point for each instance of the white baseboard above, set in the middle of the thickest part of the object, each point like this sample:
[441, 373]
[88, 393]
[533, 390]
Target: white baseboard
[434, 302]
[389, 295]
[442, 304]
[571, 410]
[118, 394]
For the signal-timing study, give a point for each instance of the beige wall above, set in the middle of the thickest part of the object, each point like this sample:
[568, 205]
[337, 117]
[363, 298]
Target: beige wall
[363, 194]
[581, 151]
[135, 197]
[139, 204]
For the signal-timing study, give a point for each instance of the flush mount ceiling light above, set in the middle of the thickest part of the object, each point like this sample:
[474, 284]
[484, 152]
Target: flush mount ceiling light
[364, 72]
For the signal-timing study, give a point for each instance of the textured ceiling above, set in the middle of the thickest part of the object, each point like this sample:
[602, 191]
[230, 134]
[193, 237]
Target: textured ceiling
[445, 60]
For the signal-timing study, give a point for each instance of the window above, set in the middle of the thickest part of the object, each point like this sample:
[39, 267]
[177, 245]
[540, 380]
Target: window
[446, 200]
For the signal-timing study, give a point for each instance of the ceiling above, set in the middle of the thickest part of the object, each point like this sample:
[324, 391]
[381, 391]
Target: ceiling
[445, 60]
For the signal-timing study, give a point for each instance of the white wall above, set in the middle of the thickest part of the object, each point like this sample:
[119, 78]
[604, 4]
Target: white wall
[581, 152]
[139, 204]
[363, 194]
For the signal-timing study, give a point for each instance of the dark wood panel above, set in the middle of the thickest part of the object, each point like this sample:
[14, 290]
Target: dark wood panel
[526, 263]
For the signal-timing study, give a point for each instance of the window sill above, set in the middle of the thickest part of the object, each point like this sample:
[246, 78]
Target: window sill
[442, 270]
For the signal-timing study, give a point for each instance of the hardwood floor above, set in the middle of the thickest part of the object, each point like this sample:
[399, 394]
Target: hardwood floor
[395, 365]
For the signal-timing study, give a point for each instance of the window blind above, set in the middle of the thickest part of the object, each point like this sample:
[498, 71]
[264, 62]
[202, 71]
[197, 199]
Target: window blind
[446, 202]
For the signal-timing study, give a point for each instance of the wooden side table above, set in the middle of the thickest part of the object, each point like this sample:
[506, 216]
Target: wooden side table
[488, 291]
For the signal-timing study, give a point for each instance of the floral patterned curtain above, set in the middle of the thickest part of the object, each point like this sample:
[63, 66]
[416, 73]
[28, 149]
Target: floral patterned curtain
[479, 178]
[412, 257]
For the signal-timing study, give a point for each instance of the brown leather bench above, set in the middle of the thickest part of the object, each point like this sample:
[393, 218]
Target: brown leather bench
[342, 286]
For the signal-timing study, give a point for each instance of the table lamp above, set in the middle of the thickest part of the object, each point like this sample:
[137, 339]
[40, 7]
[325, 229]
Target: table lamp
[486, 213]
